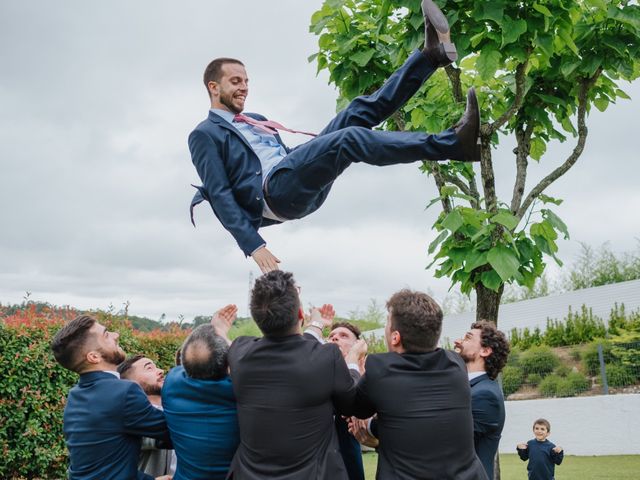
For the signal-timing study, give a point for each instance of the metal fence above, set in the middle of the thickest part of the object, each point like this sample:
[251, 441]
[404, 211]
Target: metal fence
[596, 368]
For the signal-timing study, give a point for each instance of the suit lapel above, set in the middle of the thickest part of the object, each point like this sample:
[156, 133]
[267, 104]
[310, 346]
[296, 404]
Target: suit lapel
[221, 122]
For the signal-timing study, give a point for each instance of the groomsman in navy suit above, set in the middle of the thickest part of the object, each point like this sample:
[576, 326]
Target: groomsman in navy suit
[484, 350]
[252, 180]
[105, 417]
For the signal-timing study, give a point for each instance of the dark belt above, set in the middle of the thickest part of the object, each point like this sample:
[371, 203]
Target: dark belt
[267, 197]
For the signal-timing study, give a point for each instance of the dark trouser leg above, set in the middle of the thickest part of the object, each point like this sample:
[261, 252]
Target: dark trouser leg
[371, 110]
[305, 176]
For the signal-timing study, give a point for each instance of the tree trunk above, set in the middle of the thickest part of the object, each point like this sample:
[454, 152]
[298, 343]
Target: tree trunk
[488, 303]
[487, 306]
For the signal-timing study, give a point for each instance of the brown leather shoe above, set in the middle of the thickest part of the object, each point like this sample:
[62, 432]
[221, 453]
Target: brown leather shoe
[468, 130]
[437, 40]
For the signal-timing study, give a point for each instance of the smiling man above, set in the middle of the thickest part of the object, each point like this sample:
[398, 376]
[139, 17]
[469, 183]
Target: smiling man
[484, 350]
[105, 418]
[252, 180]
[155, 458]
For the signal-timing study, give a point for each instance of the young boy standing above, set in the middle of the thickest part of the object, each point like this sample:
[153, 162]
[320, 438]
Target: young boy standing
[543, 455]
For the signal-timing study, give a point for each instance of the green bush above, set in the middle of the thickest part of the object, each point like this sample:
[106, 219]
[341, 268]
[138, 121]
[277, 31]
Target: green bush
[534, 379]
[539, 360]
[511, 379]
[579, 383]
[619, 375]
[514, 356]
[549, 385]
[562, 370]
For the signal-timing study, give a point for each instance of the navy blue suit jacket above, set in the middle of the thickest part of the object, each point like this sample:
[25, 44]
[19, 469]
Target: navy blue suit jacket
[104, 420]
[487, 406]
[203, 422]
[231, 174]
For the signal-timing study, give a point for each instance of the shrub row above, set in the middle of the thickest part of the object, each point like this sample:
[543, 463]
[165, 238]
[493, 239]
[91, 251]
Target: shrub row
[577, 328]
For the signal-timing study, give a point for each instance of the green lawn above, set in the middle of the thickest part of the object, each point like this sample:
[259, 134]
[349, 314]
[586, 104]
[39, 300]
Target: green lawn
[618, 467]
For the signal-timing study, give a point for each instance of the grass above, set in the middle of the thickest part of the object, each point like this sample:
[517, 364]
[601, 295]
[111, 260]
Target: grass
[618, 467]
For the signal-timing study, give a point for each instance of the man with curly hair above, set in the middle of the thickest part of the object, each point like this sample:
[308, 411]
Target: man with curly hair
[484, 350]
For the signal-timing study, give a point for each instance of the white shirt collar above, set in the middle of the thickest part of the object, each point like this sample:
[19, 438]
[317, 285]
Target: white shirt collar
[473, 375]
[115, 374]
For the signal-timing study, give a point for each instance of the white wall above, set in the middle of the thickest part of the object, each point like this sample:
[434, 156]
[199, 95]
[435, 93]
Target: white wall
[601, 425]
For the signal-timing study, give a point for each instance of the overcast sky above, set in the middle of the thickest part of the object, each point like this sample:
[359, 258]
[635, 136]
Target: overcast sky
[96, 102]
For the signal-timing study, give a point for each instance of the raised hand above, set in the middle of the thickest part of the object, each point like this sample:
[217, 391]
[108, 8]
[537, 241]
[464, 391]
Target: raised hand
[223, 319]
[557, 449]
[327, 314]
[357, 352]
[523, 446]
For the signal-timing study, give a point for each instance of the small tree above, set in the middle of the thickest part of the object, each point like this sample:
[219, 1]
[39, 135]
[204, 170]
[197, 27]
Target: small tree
[539, 67]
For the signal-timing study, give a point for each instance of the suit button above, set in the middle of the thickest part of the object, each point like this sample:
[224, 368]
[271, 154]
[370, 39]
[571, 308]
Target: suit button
[258, 198]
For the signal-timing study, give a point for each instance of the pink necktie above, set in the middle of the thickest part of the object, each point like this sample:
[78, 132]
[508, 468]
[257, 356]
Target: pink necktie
[268, 126]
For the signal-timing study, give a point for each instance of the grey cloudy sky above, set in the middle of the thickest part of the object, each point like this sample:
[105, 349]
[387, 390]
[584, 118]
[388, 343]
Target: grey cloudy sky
[96, 102]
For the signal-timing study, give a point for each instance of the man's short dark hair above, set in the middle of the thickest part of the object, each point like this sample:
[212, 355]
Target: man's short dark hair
[349, 326]
[213, 72]
[124, 369]
[204, 354]
[69, 343]
[418, 318]
[491, 337]
[275, 303]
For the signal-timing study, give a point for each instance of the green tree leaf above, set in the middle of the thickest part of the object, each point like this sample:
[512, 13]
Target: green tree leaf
[436, 242]
[363, 57]
[506, 219]
[488, 62]
[453, 221]
[491, 280]
[503, 261]
[542, 9]
[512, 29]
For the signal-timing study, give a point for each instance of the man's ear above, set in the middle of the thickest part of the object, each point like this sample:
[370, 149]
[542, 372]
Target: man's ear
[213, 88]
[486, 352]
[396, 339]
[93, 357]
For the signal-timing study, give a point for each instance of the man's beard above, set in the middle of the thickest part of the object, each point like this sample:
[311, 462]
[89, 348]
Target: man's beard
[151, 388]
[115, 357]
[227, 100]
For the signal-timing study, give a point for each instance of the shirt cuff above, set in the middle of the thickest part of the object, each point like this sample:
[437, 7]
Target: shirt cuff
[369, 426]
[263, 245]
[353, 366]
[314, 333]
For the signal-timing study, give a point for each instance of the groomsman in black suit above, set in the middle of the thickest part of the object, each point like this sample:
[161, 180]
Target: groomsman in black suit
[287, 386]
[421, 396]
[484, 350]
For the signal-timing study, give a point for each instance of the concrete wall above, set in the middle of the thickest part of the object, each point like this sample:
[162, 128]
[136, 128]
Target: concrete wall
[601, 425]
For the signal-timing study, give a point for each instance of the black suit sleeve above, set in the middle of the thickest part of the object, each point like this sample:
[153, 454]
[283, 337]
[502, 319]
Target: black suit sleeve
[344, 384]
[364, 407]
